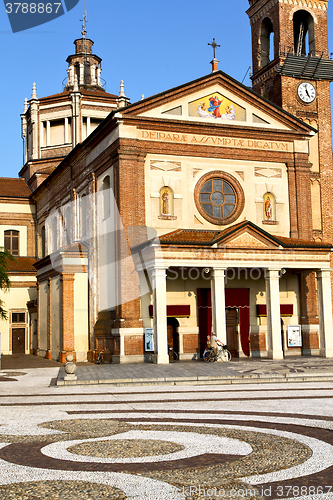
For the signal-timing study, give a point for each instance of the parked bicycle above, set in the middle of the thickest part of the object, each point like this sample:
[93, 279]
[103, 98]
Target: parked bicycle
[99, 360]
[218, 353]
[173, 355]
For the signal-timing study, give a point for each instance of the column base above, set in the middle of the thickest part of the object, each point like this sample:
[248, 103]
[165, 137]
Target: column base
[161, 359]
[275, 354]
[326, 353]
[310, 352]
[259, 354]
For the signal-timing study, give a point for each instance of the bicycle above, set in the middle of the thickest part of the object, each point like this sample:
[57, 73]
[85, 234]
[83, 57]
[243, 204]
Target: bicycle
[173, 355]
[220, 352]
[149, 357]
[99, 360]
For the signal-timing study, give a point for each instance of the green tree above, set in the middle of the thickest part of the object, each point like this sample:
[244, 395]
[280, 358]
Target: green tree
[5, 256]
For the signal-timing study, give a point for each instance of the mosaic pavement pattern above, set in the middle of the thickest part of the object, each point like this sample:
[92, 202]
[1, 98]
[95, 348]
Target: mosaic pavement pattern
[166, 443]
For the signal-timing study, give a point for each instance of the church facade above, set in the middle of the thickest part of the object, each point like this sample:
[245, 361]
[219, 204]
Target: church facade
[201, 210]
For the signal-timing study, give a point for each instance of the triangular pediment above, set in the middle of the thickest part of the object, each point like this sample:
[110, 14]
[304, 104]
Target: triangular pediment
[247, 240]
[248, 236]
[216, 99]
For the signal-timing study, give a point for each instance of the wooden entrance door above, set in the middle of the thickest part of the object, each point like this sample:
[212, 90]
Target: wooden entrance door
[231, 323]
[18, 340]
[170, 341]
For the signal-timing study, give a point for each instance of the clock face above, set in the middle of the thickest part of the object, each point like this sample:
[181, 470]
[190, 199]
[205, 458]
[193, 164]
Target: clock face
[306, 92]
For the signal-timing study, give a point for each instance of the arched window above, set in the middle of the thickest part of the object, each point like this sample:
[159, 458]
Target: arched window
[271, 47]
[11, 241]
[266, 42]
[106, 197]
[87, 73]
[304, 34]
[269, 207]
[42, 233]
[77, 71]
[166, 201]
[67, 225]
[54, 234]
[83, 216]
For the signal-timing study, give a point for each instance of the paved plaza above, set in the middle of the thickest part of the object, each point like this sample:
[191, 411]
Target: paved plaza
[124, 438]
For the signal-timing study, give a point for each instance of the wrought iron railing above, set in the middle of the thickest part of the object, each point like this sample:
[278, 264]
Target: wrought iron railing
[285, 50]
[65, 83]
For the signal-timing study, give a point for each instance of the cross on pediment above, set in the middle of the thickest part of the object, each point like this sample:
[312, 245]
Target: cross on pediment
[214, 45]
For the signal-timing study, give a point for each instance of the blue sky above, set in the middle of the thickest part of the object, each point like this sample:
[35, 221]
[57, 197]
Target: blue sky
[152, 46]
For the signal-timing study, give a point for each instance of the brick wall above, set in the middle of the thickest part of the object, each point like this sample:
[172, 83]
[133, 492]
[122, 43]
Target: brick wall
[134, 345]
[191, 343]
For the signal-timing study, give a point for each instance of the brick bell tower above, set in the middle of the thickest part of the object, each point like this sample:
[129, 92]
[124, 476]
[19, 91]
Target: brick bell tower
[292, 68]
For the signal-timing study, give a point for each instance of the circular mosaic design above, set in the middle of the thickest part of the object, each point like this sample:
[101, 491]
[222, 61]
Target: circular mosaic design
[219, 197]
[125, 448]
[68, 490]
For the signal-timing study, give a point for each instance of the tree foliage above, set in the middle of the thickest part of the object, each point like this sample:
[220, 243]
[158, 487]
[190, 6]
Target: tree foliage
[5, 256]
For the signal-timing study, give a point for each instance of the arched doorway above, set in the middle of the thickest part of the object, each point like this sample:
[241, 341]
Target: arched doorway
[173, 337]
[231, 314]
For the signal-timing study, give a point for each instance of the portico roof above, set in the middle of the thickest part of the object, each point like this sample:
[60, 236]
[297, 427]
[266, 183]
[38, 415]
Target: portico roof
[218, 238]
[241, 245]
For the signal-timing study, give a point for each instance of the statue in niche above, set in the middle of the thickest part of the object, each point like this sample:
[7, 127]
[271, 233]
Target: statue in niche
[268, 206]
[166, 202]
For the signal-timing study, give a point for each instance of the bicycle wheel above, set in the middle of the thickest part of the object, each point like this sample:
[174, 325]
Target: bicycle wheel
[175, 356]
[212, 356]
[221, 355]
[150, 358]
[206, 355]
[228, 353]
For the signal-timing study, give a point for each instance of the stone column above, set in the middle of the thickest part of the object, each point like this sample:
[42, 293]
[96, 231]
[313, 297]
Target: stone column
[93, 74]
[160, 319]
[67, 316]
[325, 313]
[274, 340]
[99, 76]
[49, 320]
[38, 319]
[218, 304]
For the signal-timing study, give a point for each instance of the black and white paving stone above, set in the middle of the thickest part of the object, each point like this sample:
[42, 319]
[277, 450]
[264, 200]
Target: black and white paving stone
[265, 441]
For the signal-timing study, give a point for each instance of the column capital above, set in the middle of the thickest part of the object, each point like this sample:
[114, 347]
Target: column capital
[158, 270]
[324, 273]
[218, 272]
[272, 273]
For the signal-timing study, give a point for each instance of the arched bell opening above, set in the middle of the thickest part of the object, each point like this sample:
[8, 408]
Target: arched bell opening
[266, 42]
[304, 34]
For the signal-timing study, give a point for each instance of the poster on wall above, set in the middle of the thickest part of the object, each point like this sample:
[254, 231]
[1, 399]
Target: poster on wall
[149, 339]
[294, 336]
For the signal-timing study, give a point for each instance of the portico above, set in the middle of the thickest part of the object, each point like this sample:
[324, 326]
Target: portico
[259, 256]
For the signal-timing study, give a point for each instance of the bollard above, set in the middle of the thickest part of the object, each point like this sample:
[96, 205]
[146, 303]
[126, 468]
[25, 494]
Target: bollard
[70, 368]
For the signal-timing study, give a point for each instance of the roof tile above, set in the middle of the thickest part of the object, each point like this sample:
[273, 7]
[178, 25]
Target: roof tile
[14, 188]
[21, 265]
